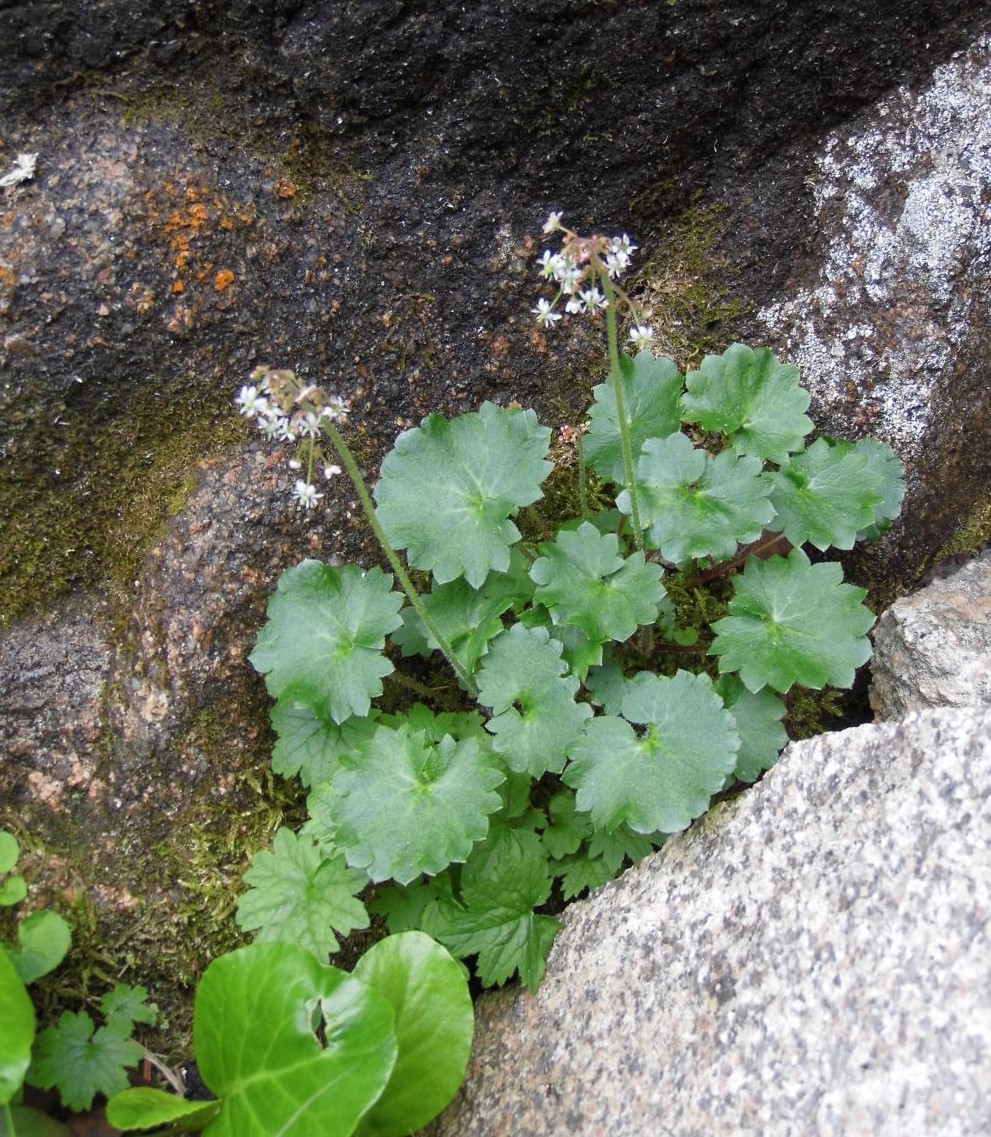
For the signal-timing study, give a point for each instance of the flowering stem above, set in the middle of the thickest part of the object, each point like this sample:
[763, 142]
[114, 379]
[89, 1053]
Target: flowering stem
[347, 459]
[616, 374]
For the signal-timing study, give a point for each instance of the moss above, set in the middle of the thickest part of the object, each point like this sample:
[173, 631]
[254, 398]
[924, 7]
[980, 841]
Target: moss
[686, 287]
[84, 508]
[974, 533]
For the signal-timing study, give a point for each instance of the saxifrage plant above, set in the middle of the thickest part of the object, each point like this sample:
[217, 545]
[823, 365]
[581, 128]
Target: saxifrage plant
[578, 693]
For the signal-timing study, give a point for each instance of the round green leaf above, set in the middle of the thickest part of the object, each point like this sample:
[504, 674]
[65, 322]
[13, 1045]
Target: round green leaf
[291, 1046]
[324, 637]
[8, 851]
[448, 488]
[44, 939]
[407, 805]
[435, 1022]
[17, 1034]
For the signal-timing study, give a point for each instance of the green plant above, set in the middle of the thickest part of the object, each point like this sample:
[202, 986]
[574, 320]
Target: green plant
[291, 1045]
[74, 1057]
[605, 679]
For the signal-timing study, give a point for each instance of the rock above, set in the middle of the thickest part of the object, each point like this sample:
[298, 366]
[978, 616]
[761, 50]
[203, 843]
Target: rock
[886, 314]
[933, 647]
[811, 958]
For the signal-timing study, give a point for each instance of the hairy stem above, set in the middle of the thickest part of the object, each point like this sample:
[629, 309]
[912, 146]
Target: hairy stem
[616, 374]
[347, 458]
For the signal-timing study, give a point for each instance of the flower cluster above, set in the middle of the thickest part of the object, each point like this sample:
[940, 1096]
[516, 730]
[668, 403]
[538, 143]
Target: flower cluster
[288, 410]
[581, 266]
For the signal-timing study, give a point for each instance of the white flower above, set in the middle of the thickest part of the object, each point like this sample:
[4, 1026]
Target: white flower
[641, 336]
[309, 424]
[23, 170]
[336, 408]
[569, 276]
[546, 316]
[331, 471]
[271, 426]
[548, 263]
[573, 306]
[306, 494]
[616, 263]
[623, 245]
[553, 223]
[251, 402]
[295, 464]
[591, 300]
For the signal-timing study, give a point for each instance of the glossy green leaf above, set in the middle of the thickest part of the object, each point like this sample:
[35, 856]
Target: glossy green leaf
[17, 1035]
[793, 622]
[751, 397]
[410, 806]
[584, 580]
[324, 637]
[12, 891]
[9, 851]
[651, 390]
[696, 506]
[82, 1062]
[535, 715]
[662, 779]
[434, 1025]
[825, 495]
[449, 487]
[290, 1046]
[147, 1108]
[301, 894]
[494, 918]
[44, 938]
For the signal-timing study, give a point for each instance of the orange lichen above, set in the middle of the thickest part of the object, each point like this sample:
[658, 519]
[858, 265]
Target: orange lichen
[223, 280]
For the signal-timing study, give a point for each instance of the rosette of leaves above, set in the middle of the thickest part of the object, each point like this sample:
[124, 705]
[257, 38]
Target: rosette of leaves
[601, 716]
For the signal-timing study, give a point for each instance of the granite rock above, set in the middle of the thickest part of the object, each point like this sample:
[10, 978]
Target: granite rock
[933, 647]
[813, 957]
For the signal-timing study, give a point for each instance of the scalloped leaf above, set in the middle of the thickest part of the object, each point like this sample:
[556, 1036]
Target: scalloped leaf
[324, 637]
[825, 495]
[300, 893]
[890, 471]
[290, 1046]
[535, 715]
[793, 622]
[409, 806]
[662, 779]
[751, 397]
[651, 391]
[584, 580]
[449, 487]
[696, 506]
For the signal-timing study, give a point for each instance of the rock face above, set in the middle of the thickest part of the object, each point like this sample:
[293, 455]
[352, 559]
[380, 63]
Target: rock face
[356, 190]
[933, 648]
[812, 958]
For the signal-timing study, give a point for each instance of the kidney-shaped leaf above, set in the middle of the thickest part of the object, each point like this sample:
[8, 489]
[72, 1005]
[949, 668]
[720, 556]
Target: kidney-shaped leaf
[17, 1016]
[291, 1046]
[435, 1022]
[448, 488]
[146, 1108]
[324, 636]
[791, 621]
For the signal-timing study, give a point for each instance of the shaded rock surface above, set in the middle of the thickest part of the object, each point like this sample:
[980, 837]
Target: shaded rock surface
[811, 958]
[886, 314]
[933, 647]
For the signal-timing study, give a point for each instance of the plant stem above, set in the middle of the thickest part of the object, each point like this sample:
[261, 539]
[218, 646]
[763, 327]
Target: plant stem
[616, 373]
[582, 479]
[347, 458]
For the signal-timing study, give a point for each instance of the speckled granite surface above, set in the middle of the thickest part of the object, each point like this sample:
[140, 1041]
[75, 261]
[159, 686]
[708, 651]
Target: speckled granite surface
[814, 958]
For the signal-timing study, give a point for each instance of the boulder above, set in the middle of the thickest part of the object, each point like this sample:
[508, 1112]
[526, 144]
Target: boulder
[932, 648]
[810, 958]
